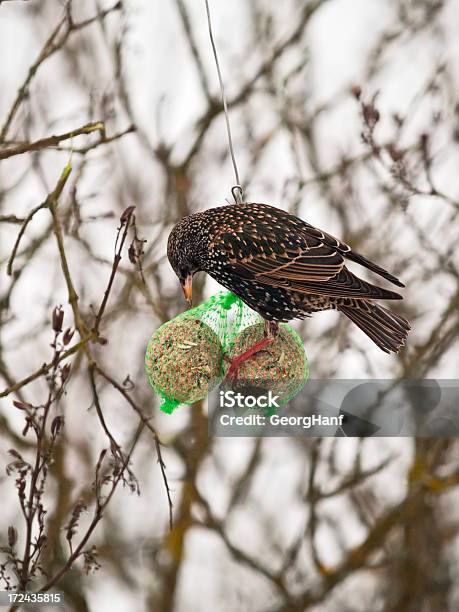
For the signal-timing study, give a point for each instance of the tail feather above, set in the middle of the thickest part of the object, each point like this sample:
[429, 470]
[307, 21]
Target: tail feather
[363, 261]
[387, 329]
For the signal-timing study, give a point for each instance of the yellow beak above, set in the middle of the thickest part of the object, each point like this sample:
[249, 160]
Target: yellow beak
[187, 287]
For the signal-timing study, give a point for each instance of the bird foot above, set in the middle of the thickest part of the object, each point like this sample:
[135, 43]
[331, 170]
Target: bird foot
[237, 361]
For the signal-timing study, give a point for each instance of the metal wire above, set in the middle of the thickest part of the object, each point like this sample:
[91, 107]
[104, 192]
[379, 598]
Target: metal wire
[237, 190]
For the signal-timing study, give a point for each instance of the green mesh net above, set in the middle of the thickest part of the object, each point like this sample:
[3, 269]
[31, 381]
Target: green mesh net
[188, 356]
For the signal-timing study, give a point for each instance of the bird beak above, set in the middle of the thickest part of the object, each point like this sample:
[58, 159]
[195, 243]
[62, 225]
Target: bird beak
[187, 286]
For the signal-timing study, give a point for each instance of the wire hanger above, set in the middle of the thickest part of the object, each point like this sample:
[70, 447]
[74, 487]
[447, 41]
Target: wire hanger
[237, 190]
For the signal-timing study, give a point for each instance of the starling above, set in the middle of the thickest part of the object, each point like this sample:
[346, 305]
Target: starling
[283, 268]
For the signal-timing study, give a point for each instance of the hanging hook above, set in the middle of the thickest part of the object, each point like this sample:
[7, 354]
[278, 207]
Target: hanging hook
[238, 194]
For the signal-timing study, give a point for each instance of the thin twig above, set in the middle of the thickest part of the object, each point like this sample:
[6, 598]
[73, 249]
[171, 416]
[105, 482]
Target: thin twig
[53, 201]
[125, 223]
[25, 223]
[53, 141]
[102, 141]
[11, 219]
[51, 46]
[45, 368]
[100, 508]
[147, 423]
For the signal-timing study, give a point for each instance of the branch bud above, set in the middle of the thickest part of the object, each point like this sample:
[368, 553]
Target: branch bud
[58, 319]
[12, 536]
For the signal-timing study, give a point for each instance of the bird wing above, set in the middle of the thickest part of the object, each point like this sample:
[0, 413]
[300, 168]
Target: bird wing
[299, 258]
[307, 279]
[268, 245]
[263, 254]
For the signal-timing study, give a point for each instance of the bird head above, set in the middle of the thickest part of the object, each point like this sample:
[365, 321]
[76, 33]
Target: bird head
[183, 251]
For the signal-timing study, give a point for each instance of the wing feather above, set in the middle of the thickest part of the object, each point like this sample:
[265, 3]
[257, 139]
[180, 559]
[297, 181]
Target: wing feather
[270, 246]
[301, 256]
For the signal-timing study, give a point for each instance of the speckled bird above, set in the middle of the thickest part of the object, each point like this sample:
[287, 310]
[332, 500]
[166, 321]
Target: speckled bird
[283, 268]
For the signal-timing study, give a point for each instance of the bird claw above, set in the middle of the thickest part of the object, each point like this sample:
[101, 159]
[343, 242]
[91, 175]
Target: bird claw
[235, 363]
[232, 372]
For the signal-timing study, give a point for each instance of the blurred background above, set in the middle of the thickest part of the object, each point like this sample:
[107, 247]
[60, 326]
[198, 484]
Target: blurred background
[345, 112]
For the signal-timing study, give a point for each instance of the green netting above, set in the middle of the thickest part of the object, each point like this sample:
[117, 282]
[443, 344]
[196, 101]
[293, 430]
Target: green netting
[188, 356]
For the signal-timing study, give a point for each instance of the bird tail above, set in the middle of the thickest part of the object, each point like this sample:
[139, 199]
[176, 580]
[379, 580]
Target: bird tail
[387, 329]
